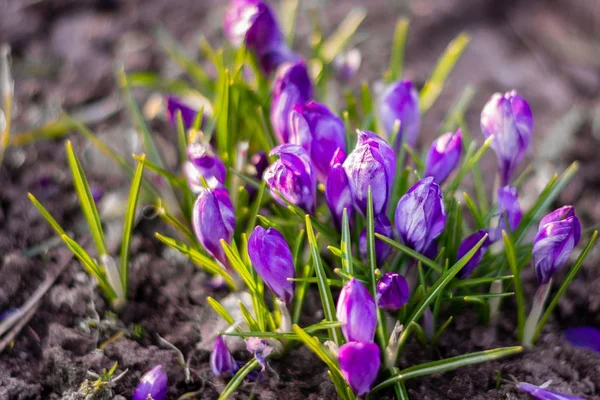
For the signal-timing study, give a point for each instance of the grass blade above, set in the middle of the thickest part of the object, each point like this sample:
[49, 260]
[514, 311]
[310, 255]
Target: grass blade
[324, 290]
[519, 294]
[288, 15]
[342, 35]
[88, 206]
[128, 222]
[238, 378]
[316, 347]
[434, 85]
[449, 364]
[410, 252]
[7, 86]
[395, 70]
[219, 309]
[346, 245]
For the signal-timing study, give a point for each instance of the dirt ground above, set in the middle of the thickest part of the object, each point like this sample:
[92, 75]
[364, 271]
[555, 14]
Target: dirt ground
[64, 53]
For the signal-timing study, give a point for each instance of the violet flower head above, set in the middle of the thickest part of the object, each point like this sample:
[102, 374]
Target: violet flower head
[291, 86]
[260, 349]
[371, 163]
[508, 117]
[153, 385]
[557, 236]
[356, 311]
[392, 291]
[337, 190]
[318, 131]
[213, 219]
[400, 102]
[346, 64]
[540, 393]
[253, 23]
[466, 245]
[509, 208]
[587, 337]
[420, 215]
[202, 164]
[189, 110]
[222, 362]
[359, 363]
[272, 259]
[443, 156]
[383, 226]
[293, 176]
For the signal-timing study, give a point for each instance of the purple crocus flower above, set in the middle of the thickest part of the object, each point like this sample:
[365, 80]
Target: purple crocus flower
[318, 131]
[467, 244]
[392, 291]
[558, 234]
[222, 362]
[420, 215]
[272, 259]
[443, 156]
[584, 336]
[260, 349]
[253, 23]
[260, 161]
[509, 118]
[293, 176]
[188, 110]
[540, 393]
[356, 311]
[359, 363]
[400, 102]
[202, 164]
[213, 219]
[292, 86]
[153, 385]
[371, 163]
[383, 226]
[337, 190]
[509, 208]
[346, 64]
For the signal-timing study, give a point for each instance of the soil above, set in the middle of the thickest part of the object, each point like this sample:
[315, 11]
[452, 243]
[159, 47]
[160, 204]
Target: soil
[63, 56]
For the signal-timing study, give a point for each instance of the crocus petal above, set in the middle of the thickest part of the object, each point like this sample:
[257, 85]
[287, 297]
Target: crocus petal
[154, 385]
[293, 176]
[356, 310]
[272, 259]
[189, 109]
[466, 245]
[392, 291]
[337, 190]
[508, 117]
[584, 336]
[400, 102]
[509, 208]
[443, 156]
[222, 362]
[420, 215]
[213, 219]
[202, 164]
[319, 131]
[544, 394]
[359, 363]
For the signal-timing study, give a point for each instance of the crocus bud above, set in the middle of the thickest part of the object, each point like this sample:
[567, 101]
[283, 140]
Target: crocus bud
[400, 102]
[222, 362]
[253, 23]
[337, 190]
[541, 393]
[213, 219]
[509, 118]
[260, 162]
[292, 86]
[202, 164]
[466, 245]
[153, 385]
[359, 363]
[346, 64]
[356, 311]
[272, 259]
[383, 226]
[293, 176]
[371, 163]
[509, 208]
[558, 234]
[189, 108]
[443, 156]
[318, 131]
[392, 291]
[420, 215]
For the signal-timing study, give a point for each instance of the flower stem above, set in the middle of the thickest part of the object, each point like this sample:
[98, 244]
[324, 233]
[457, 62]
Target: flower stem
[536, 312]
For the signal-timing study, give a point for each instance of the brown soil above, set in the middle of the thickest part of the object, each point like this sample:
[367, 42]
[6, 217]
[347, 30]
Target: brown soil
[64, 50]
